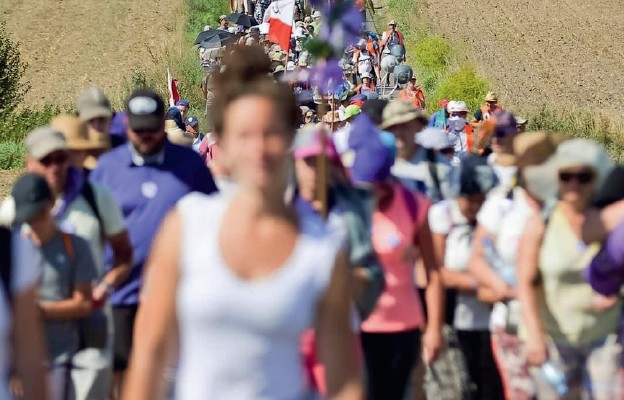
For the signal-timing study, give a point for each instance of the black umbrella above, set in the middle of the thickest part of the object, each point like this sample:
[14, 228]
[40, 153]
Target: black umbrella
[212, 36]
[242, 19]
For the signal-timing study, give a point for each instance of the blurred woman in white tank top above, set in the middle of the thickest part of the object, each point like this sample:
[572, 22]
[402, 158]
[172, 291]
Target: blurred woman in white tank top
[234, 274]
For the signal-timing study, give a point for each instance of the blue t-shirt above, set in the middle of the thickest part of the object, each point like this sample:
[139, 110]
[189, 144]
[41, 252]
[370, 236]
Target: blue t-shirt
[146, 193]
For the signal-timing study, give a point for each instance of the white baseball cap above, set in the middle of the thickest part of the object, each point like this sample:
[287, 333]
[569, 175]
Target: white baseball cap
[457, 106]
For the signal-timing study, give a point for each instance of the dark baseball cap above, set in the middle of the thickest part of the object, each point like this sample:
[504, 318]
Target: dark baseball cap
[145, 110]
[30, 193]
[183, 103]
[192, 121]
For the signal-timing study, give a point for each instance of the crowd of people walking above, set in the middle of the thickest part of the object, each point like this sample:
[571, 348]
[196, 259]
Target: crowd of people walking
[310, 244]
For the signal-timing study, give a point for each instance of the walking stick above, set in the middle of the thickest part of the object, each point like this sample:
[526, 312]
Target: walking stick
[321, 166]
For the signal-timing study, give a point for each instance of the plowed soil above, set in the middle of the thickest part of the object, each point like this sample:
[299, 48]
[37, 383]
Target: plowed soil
[70, 44]
[555, 52]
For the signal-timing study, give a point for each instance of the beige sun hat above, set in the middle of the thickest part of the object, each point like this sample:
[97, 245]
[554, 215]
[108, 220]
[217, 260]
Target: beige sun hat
[400, 112]
[392, 22]
[177, 135]
[531, 148]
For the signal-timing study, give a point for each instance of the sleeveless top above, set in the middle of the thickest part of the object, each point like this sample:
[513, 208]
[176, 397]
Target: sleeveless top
[564, 298]
[239, 339]
[399, 308]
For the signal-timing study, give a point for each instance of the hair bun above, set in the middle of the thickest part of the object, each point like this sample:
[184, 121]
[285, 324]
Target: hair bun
[244, 65]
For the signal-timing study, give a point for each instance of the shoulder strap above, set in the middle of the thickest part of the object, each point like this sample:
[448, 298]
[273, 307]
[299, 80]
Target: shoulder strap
[89, 195]
[411, 203]
[69, 246]
[6, 261]
[433, 171]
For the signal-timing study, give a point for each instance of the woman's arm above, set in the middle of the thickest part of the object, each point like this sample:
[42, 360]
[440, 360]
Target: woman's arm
[599, 223]
[432, 338]
[528, 274]
[460, 280]
[78, 306]
[156, 320]
[336, 341]
[28, 346]
[483, 272]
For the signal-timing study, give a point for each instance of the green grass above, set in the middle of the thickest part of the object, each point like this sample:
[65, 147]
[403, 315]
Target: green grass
[11, 155]
[464, 84]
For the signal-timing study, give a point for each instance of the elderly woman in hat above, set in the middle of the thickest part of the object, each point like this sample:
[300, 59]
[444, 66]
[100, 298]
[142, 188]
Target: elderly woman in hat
[367, 86]
[570, 332]
[500, 225]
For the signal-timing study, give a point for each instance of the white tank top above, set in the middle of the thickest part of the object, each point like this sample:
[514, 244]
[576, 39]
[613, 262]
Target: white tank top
[240, 339]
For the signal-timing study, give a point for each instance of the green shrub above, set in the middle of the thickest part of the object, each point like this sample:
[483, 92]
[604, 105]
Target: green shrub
[201, 12]
[432, 55]
[14, 126]
[463, 84]
[12, 89]
[11, 155]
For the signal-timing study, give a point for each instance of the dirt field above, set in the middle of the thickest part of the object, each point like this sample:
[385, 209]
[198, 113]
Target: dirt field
[558, 52]
[73, 43]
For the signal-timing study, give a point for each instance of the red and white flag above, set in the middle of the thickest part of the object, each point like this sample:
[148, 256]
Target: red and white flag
[172, 89]
[279, 16]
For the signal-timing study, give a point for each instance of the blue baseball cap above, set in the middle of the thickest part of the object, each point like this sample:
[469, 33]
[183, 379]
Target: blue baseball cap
[183, 103]
[192, 121]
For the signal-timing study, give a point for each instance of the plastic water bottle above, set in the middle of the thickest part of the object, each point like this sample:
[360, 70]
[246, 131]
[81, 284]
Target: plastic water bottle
[555, 378]
[506, 272]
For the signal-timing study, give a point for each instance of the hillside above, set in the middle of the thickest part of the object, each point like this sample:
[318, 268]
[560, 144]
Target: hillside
[556, 52]
[73, 43]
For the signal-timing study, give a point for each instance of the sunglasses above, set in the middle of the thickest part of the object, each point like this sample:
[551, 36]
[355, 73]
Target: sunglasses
[310, 116]
[54, 159]
[583, 177]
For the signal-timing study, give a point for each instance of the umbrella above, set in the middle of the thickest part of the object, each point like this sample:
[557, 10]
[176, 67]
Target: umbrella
[214, 42]
[242, 19]
[213, 38]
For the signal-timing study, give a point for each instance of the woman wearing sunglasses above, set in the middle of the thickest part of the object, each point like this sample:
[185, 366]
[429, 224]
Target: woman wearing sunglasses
[567, 325]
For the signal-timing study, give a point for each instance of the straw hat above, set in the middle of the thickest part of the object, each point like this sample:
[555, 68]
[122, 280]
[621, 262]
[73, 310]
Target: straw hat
[531, 148]
[75, 131]
[491, 97]
[392, 22]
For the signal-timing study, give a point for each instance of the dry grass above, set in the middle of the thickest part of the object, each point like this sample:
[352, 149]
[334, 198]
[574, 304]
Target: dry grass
[70, 44]
[6, 181]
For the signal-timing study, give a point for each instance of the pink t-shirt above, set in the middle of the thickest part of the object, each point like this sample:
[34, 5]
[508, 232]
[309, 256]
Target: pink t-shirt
[399, 307]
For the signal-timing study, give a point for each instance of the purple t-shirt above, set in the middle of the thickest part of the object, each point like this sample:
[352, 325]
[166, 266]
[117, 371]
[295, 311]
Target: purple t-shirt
[606, 271]
[146, 193]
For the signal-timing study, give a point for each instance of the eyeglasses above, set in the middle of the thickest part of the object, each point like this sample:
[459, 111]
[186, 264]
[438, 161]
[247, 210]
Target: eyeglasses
[54, 159]
[310, 116]
[583, 177]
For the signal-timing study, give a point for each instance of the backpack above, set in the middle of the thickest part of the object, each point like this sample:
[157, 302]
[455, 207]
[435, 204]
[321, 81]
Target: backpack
[89, 195]
[403, 74]
[6, 261]
[365, 64]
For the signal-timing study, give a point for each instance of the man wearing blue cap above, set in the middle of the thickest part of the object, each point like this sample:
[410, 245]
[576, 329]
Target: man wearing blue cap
[192, 127]
[183, 106]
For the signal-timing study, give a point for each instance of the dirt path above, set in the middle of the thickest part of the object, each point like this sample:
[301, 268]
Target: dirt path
[558, 52]
[72, 43]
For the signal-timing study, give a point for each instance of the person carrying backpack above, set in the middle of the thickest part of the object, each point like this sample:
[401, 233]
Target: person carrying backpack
[391, 37]
[22, 350]
[66, 278]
